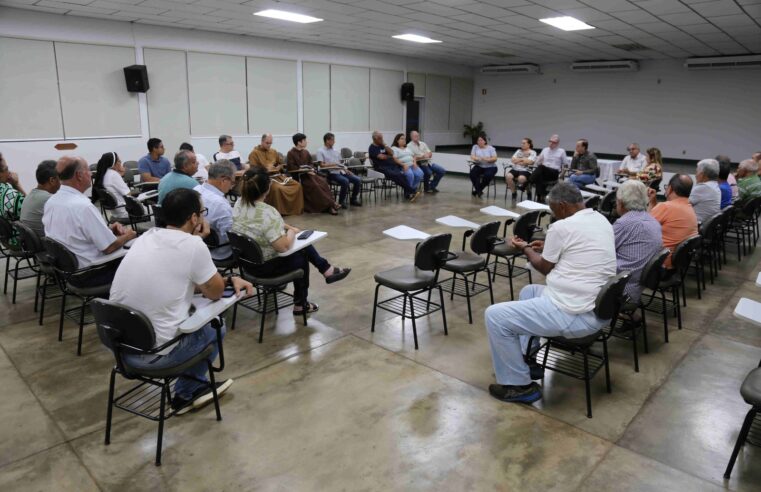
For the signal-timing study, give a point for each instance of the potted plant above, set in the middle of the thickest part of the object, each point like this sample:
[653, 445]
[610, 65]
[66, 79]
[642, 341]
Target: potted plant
[473, 131]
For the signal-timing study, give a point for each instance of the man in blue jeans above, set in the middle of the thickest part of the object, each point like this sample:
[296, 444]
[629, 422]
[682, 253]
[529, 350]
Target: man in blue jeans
[430, 169]
[339, 175]
[385, 163]
[583, 165]
[178, 263]
[578, 257]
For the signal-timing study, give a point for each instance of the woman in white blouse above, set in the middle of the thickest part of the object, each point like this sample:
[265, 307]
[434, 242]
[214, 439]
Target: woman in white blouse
[406, 157]
[484, 168]
[110, 176]
[523, 157]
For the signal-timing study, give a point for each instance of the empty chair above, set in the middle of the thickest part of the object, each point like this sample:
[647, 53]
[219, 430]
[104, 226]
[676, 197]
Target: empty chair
[346, 153]
[523, 227]
[13, 249]
[414, 280]
[751, 393]
[139, 215]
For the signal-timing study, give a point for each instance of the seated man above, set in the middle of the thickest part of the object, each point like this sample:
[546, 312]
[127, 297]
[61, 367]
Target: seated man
[227, 151]
[220, 213]
[179, 264]
[34, 205]
[633, 163]
[583, 165]
[11, 192]
[726, 188]
[578, 257]
[203, 163]
[638, 234]
[705, 196]
[676, 216]
[548, 164]
[748, 182]
[385, 163]
[423, 155]
[185, 166]
[153, 166]
[71, 219]
[342, 176]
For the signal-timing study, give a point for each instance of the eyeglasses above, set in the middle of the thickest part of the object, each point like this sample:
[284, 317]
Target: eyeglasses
[204, 212]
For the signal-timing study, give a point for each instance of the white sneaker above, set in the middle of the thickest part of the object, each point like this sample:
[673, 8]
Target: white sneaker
[207, 397]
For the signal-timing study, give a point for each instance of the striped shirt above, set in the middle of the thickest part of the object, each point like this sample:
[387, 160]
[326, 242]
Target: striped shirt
[638, 238]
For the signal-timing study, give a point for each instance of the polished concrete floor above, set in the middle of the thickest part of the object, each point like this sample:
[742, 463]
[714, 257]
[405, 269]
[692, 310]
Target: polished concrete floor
[332, 406]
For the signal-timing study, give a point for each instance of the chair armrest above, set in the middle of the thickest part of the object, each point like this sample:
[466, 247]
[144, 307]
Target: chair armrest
[465, 236]
[82, 272]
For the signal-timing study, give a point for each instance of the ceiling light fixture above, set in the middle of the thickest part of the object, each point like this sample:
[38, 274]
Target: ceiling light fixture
[415, 38]
[287, 16]
[566, 23]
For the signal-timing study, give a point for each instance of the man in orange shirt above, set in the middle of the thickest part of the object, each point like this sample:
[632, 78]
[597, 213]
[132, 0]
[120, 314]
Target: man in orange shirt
[676, 216]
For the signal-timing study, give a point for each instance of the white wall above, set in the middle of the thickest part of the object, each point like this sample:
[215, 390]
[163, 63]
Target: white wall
[687, 114]
[23, 156]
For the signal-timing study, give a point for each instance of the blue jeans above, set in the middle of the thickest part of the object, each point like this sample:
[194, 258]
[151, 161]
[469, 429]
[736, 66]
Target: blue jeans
[188, 346]
[343, 180]
[580, 180]
[481, 177]
[437, 172]
[511, 324]
[395, 174]
[414, 176]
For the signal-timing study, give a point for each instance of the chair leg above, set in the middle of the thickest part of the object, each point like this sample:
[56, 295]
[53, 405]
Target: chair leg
[467, 298]
[451, 292]
[678, 309]
[412, 317]
[665, 317]
[491, 290]
[213, 386]
[162, 408]
[37, 291]
[741, 440]
[375, 306]
[109, 412]
[235, 316]
[7, 271]
[607, 365]
[42, 301]
[60, 321]
[634, 347]
[15, 281]
[644, 331]
[443, 310]
[81, 327]
[264, 316]
[404, 309]
[586, 383]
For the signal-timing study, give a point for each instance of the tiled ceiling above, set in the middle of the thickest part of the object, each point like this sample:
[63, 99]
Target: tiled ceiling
[474, 32]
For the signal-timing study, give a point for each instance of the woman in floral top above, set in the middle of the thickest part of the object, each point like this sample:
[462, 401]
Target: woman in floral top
[652, 173]
[264, 224]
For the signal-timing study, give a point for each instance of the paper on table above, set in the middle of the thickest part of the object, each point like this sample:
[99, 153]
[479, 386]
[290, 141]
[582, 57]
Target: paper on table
[206, 310]
[404, 232]
[455, 221]
[532, 205]
[299, 244]
[499, 212]
[748, 310]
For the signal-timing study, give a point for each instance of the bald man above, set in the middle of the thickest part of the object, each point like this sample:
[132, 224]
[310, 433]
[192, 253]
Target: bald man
[676, 215]
[423, 156]
[265, 156]
[392, 168]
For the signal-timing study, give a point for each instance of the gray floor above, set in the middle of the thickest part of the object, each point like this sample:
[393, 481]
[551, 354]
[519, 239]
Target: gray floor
[332, 406]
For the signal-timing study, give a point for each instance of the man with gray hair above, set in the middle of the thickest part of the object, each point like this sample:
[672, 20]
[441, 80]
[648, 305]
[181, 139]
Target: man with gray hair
[577, 258]
[220, 213]
[634, 162]
[185, 166]
[638, 234]
[705, 196]
[748, 182]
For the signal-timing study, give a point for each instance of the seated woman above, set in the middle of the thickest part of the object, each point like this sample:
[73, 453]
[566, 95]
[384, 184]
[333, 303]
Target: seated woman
[523, 157]
[406, 157]
[317, 195]
[109, 176]
[652, 173]
[485, 168]
[285, 192]
[261, 222]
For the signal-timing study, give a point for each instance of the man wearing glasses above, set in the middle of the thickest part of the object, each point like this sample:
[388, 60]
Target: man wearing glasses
[634, 162]
[220, 213]
[227, 151]
[548, 166]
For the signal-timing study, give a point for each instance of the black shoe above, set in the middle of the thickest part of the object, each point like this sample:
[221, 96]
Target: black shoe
[435, 190]
[528, 195]
[206, 396]
[413, 197]
[537, 371]
[480, 194]
[338, 274]
[343, 204]
[430, 191]
[356, 203]
[473, 193]
[181, 405]
[515, 195]
[516, 394]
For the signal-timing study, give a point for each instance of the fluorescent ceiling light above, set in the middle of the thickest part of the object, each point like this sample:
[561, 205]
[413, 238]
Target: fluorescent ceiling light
[566, 23]
[415, 38]
[288, 16]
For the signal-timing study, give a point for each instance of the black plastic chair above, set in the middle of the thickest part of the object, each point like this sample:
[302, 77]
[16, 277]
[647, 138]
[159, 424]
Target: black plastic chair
[751, 430]
[710, 252]
[226, 265]
[524, 228]
[124, 330]
[13, 249]
[248, 256]
[607, 206]
[68, 274]
[482, 242]
[47, 287]
[593, 202]
[139, 215]
[109, 203]
[414, 280]
[562, 354]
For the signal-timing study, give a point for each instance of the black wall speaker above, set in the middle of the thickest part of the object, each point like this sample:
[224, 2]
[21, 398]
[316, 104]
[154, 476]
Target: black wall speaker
[136, 77]
[408, 91]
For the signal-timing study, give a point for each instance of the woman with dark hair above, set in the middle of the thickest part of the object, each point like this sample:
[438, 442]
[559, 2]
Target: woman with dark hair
[523, 157]
[110, 176]
[317, 195]
[406, 157]
[264, 224]
[484, 168]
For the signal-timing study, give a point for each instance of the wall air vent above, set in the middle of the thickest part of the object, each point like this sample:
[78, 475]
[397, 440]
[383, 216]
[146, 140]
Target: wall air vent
[529, 68]
[605, 66]
[723, 62]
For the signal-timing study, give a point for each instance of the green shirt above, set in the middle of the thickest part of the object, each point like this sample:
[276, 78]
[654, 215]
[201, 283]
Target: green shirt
[174, 181]
[10, 201]
[749, 187]
[263, 223]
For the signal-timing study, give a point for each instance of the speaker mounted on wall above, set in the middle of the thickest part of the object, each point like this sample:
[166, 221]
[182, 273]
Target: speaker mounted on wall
[136, 77]
[408, 91]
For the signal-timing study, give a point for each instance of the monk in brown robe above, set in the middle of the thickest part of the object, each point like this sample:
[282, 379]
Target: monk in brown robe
[317, 195]
[285, 192]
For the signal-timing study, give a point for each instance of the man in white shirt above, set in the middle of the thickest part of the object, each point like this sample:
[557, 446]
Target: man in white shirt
[342, 176]
[634, 162]
[72, 220]
[203, 163]
[548, 165]
[578, 258]
[227, 151]
[220, 213]
[179, 264]
[423, 155]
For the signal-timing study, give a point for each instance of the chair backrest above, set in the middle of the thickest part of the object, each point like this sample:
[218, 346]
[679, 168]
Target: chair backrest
[355, 162]
[246, 251]
[120, 325]
[6, 231]
[212, 240]
[130, 165]
[727, 214]
[682, 256]
[710, 228]
[652, 271]
[608, 203]
[524, 225]
[134, 208]
[106, 197]
[346, 152]
[61, 258]
[592, 202]
[483, 239]
[610, 297]
[432, 252]
[29, 240]
[158, 216]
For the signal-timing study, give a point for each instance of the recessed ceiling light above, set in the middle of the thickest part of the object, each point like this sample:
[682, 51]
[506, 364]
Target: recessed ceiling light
[566, 23]
[415, 38]
[288, 16]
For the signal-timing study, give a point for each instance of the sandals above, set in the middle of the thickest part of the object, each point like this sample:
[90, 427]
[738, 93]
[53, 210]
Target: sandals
[310, 308]
[338, 274]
